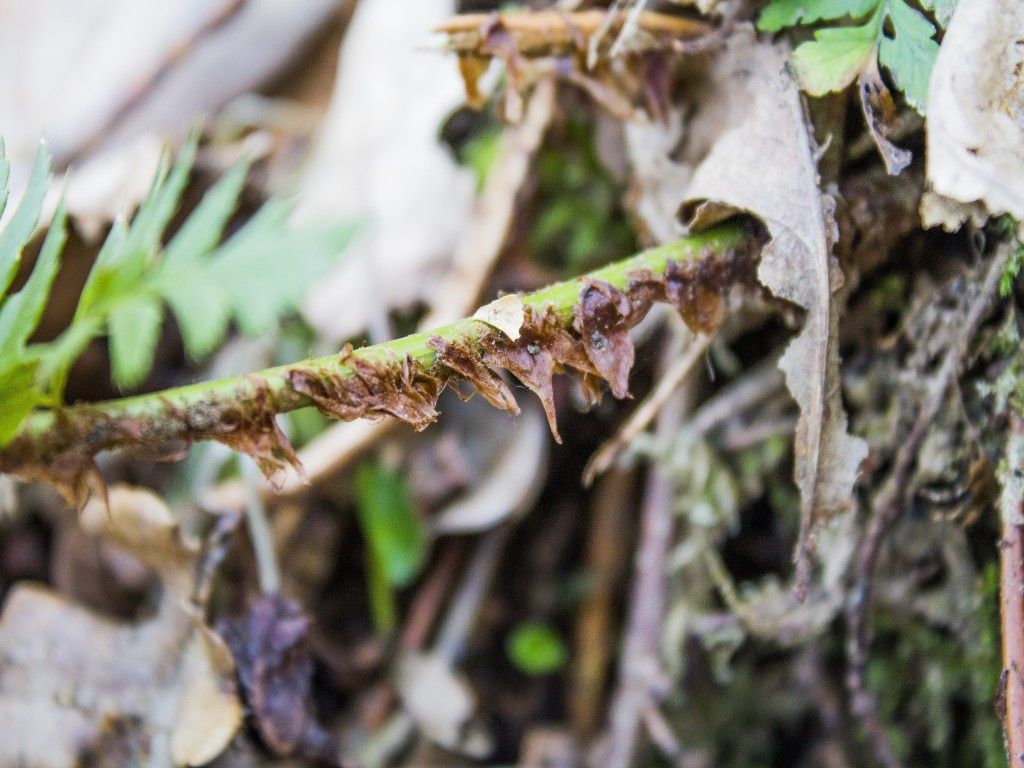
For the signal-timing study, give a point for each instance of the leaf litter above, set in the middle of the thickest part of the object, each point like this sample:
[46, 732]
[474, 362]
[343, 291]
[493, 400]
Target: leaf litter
[76, 686]
[741, 108]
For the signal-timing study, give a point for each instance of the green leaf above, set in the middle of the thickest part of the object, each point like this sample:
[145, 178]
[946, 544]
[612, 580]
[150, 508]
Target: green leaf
[835, 57]
[205, 225]
[128, 251]
[100, 282]
[18, 396]
[391, 526]
[943, 10]
[536, 649]
[383, 604]
[20, 314]
[161, 204]
[203, 311]
[910, 53]
[787, 13]
[23, 223]
[134, 328]
[267, 266]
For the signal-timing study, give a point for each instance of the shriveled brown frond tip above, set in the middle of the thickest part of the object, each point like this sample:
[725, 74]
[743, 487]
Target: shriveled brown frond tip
[401, 388]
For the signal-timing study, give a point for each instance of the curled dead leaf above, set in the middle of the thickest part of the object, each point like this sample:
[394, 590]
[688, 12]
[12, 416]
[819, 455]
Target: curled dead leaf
[879, 108]
[767, 119]
[255, 432]
[465, 361]
[543, 348]
[602, 319]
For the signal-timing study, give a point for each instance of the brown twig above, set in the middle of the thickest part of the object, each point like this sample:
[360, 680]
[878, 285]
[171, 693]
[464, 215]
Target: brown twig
[1011, 593]
[555, 33]
[607, 559]
[887, 505]
[640, 666]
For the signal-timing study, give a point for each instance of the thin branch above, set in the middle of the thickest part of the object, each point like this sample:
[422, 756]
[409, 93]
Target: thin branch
[1011, 593]
[640, 665]
[401, 377]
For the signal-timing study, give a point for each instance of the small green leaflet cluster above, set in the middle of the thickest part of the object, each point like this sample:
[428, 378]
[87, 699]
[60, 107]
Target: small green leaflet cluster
[259, 273]
[1009, 230]
[900, 36]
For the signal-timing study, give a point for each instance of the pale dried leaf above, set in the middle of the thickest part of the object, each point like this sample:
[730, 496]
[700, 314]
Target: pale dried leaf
[767, 120]
[96, 76]
[436, 698]
[378, 161]
[73, 683]
[209, 712]
[658, 182]
[975, 129]
[506, 314]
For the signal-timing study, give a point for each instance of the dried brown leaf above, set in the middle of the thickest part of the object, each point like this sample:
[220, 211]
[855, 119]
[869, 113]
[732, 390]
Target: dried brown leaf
[255, 432]
[540, 352]
[879, 108]
[767, 120]
[74, 684]
[461, 359]
[271, 647]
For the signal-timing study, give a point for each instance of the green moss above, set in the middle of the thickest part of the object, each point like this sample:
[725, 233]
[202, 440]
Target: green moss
[580, 222]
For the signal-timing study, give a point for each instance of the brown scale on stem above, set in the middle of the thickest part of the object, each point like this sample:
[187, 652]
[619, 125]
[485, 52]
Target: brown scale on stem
[400, 388]
[461, 359]
[602, 319]
[254, 431]
[543, 349]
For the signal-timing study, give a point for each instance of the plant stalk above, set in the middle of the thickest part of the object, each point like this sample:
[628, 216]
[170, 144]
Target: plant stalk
[209, 410]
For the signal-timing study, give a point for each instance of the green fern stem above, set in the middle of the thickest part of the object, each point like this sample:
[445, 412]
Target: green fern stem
[210, 410]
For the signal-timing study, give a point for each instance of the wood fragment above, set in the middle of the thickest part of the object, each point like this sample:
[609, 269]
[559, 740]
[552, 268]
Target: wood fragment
[1011, 594]
[555, 33]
